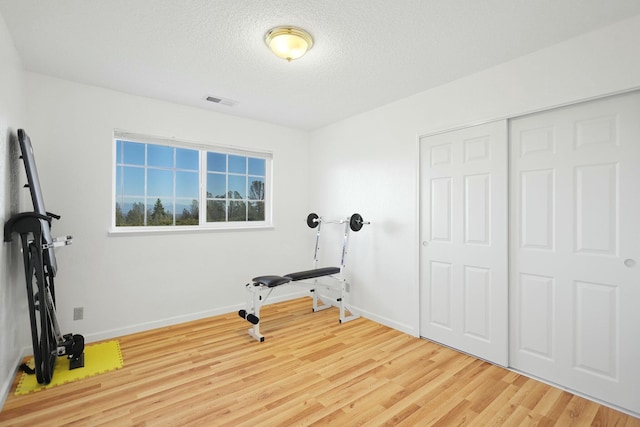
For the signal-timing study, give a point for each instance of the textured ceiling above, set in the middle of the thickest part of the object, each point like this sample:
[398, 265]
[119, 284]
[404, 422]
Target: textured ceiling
[367, 52]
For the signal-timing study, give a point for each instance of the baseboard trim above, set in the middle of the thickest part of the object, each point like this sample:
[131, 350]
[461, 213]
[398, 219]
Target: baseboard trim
[402, 327]
[155, 324]
[8, 382]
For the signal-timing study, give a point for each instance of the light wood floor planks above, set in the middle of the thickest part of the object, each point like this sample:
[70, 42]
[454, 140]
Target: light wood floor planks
[310, 370]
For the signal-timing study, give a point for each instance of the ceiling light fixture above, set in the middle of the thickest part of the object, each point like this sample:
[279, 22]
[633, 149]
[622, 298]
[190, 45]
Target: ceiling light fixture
[288, 42]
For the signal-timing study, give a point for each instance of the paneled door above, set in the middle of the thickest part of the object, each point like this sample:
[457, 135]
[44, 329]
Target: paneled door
[463, 257]
[575, 248]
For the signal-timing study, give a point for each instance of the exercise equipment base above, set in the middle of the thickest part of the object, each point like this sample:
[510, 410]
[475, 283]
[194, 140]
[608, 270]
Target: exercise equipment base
[76, 362]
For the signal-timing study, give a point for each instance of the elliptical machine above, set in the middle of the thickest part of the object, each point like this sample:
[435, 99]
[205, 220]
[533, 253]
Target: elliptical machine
[40, 268]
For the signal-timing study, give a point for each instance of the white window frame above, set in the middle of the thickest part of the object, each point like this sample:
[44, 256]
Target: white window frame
[202, 202]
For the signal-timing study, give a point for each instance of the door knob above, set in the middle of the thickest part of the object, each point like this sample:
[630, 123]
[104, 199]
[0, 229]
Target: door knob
[630, 262]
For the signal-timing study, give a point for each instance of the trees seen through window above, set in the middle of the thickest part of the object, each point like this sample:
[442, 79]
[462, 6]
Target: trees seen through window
[160, 185]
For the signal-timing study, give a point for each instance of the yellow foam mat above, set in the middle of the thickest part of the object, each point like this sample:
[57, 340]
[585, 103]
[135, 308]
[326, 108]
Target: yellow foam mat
[98, 358]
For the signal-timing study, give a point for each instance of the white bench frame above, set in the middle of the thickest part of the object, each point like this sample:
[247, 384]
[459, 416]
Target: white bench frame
[327, 290]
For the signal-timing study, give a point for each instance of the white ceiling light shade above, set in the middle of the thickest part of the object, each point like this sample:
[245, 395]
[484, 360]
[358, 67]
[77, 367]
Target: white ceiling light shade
[288, 42]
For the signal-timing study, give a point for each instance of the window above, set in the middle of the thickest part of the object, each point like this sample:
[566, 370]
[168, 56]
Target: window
[164, 184]
[235, 188]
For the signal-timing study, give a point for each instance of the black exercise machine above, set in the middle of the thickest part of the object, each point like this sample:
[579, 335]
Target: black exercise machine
[327, 285]
[40, 268]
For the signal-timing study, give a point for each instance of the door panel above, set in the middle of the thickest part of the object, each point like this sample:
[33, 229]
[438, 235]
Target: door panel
[464, 232]
[575, 244]
[536, 305]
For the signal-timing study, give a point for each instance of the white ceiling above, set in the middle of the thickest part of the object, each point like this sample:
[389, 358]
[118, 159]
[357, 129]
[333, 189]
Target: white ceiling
[367, 53]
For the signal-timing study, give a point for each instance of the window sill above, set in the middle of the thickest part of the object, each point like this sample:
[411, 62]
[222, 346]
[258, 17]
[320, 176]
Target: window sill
[126, 231]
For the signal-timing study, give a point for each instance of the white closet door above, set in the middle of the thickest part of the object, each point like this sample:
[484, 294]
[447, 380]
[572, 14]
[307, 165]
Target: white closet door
[463, 283]
[575, 248]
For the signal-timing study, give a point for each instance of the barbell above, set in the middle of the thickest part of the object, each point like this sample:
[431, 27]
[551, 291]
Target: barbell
[355, 221]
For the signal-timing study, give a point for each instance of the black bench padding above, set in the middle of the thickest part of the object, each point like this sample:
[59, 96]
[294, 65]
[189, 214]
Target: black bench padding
[271, 281]
[310, 274]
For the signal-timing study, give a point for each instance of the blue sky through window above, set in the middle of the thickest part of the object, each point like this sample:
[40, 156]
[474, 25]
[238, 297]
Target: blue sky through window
[237, 186]
[237, 164]
[256, 166]
[186, 159]
[160, 156]
[146, 173]
[216, 162]
[157, 172]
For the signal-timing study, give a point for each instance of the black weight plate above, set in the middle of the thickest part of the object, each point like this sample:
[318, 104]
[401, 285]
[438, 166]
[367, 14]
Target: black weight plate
[311, 220]
[355, 223]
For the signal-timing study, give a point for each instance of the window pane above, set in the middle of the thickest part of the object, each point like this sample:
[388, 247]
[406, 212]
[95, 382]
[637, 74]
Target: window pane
[133, 153]
[133, 181]
[119, 214]
[119, 152]
[237, 164]
[216, 210]
[160, 156]
[186, 159]
[159, 182]
[132, 210]
[237, 187]
[187, 184]
[187, 212]
[256, 211]
[256, 188]
[159, 212]
[119, 189]
[237, 211]
[216, 162]
[256, 166]
[216, 185]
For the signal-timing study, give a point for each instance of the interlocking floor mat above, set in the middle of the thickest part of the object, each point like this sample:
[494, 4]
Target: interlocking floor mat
[98, 358]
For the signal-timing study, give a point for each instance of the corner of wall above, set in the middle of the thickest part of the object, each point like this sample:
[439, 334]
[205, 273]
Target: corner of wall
[13, 323]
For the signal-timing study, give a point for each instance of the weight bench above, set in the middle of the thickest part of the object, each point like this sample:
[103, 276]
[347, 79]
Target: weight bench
[324, 295]
[327, 284]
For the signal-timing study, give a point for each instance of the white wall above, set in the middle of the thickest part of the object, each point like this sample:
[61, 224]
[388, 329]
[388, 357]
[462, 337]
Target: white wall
[369, 163]
[14, 326]
[136, 282]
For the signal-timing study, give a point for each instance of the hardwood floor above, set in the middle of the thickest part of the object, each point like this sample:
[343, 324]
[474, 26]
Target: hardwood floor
[310, 370]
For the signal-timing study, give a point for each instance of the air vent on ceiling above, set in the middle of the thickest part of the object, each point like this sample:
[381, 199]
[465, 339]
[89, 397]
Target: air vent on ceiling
[222, 101]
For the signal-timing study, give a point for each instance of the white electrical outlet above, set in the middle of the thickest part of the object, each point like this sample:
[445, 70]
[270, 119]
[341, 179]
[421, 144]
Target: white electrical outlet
[78, 313]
